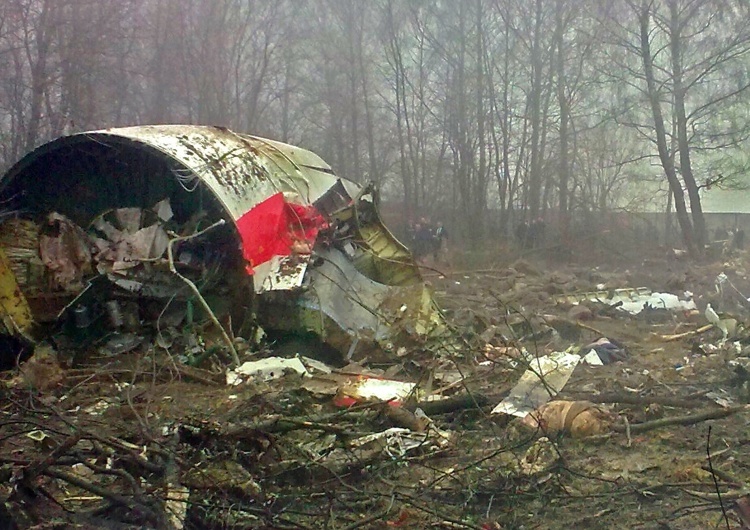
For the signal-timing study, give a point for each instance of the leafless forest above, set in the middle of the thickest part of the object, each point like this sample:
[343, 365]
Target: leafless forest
[481, 111]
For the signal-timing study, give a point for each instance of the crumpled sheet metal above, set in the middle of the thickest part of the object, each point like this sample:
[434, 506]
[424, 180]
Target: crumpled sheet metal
[244, 173]
[365, 309]
[543, 380]
[632, 300]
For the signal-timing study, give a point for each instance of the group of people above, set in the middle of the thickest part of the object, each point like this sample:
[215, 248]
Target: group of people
[531, 235]
[426, 238]
[733, 238]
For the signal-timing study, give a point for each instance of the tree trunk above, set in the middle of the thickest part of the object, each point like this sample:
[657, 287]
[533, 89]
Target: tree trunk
[38, 58]
[562, 101]
[683, 142]
[535, 170]
[665, 157]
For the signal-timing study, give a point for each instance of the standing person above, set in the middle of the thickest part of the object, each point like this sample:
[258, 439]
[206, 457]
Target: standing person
[532, 233]
[439, 238]
[738, 241]
[540, 228]
[422, 239]
[411, 233]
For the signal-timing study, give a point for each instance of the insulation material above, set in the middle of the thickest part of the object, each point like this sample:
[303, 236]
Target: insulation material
[15, 313]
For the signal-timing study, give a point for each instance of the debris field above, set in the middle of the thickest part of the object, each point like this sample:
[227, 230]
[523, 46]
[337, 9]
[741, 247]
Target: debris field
[242, 343]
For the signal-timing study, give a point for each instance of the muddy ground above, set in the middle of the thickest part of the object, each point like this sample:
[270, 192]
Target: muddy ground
[142, 440]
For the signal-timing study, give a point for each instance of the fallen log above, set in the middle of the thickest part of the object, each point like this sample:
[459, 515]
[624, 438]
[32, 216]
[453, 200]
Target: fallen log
[668, 401]
[689, 419]
[458, 402]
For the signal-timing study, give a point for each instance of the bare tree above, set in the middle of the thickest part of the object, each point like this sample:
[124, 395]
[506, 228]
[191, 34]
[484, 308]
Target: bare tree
[685, 48]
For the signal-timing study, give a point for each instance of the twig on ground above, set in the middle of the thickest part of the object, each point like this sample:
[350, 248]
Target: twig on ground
[689, 419]
[551, 319]
[458, 402]
[731, 495]
[375, 517]
[713, 476]
[691, 333]
[723, 475]
[40, 466]
[104, 493]
[456, 523]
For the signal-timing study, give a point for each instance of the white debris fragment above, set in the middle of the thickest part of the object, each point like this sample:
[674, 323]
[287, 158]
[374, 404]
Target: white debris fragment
[668, 301]
[714, 319]
[266, 369]
[545, 377]
[314, 364]
[369, 389]
[593, 358]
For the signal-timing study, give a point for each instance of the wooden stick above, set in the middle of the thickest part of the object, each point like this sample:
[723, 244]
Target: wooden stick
[728, 496]
[458, 402]
[689, 419]
[723, 475]
[40, 466]
[678, 336]
[102, 492]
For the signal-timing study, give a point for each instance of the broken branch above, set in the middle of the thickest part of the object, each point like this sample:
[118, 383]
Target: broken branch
[689, 419]
[196, 291]
[40, 466]
[691, 333]
[634, 399]
[104, 493]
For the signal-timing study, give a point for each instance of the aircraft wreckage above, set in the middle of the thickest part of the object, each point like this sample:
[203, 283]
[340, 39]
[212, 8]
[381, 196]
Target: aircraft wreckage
[104, 233]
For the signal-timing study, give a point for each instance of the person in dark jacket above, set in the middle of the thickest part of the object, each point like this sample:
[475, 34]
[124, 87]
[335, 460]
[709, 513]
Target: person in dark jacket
[439, 240]
[422, 239]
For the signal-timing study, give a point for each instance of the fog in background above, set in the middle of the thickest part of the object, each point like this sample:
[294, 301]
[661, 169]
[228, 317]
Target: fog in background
[484, 113]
